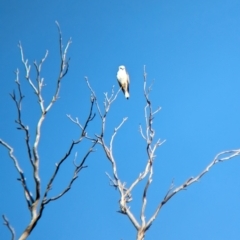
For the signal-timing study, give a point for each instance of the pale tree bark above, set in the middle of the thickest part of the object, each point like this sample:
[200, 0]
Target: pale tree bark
[37, 201]
[142, 225]
[10, 228]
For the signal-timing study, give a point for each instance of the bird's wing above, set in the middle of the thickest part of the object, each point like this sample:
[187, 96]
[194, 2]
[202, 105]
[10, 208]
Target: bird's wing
[119, 84]
[128, 79]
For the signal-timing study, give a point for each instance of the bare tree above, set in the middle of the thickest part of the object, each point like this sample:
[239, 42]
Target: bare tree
[125, 192]
[37, 201]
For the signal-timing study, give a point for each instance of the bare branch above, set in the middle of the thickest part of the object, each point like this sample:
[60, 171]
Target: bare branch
[125, 198]
[151, 147]
[75, 121]
[36, 206]
[10, 228]
[141, 132]
[112, 181]
[27, 69]
[22, 179]
[79, 167]
[140, 178]
[91, 116]
[125, 193]
[191, 180]
[144, 198]
[22, 126]
[107, 101]
[115, 132]
[64, 65]
[40, 80]
[62, 72]
[93, 96]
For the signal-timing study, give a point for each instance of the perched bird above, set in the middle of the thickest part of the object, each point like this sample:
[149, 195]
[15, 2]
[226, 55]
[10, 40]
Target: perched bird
[123, 80]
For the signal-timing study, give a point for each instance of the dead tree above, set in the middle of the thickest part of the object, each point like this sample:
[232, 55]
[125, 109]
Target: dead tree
[38, 200]
[142, 224]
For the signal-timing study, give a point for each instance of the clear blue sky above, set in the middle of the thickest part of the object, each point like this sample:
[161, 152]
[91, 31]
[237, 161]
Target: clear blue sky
[192, 52]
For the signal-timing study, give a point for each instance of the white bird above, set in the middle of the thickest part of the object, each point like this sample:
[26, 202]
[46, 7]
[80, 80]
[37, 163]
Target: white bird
[123, 80]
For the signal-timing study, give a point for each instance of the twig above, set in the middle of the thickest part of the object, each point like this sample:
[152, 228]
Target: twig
[10, 228]
[22, 126]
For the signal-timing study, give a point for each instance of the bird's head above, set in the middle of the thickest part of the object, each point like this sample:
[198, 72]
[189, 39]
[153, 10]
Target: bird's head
[121, 67]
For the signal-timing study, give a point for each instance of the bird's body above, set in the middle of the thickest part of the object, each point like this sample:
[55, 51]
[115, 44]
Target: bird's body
[123, 80]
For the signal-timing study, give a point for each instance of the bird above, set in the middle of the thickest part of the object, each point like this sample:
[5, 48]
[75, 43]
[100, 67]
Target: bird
[123, 80]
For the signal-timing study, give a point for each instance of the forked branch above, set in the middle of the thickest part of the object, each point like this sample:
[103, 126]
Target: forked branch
[125, 192]
[78, 167]
[10, 228]
[220, 157]
[116, 182]
[35, 202]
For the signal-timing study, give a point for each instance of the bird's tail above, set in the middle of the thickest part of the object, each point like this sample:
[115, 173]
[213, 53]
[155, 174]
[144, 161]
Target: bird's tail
[127, 95]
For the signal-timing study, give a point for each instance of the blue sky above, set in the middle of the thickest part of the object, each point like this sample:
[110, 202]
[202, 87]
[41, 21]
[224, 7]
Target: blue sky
[191, 50]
